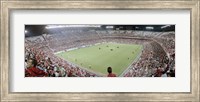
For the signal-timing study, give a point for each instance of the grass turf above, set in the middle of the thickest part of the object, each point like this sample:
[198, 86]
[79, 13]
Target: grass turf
[98, 57]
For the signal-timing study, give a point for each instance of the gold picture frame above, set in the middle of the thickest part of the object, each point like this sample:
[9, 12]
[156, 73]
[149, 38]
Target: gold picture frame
[192, 5]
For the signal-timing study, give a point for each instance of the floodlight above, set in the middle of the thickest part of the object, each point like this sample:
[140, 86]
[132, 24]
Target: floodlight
[150, 28]
[165, 26]
[25, 31]
[63, 26]
[109, 27]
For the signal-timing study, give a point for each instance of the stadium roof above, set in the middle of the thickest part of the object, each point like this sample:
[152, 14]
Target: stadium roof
[35, 30]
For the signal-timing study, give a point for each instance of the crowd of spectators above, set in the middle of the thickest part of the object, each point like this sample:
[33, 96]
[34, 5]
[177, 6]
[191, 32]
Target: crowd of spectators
[53, 66]
[157, 58]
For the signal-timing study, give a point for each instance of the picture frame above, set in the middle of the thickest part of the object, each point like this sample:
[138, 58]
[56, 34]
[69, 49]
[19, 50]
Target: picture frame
[7, 6]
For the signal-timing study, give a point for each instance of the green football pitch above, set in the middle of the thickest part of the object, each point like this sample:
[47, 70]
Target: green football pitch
[98, 58]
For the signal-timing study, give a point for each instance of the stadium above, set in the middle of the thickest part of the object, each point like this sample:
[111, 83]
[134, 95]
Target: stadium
[90, 50]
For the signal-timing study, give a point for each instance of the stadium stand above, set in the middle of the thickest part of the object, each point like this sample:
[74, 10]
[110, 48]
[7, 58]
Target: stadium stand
[157, 58]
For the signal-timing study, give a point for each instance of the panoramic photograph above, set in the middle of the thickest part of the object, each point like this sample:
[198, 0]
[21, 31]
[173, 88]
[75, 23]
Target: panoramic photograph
[88, 50]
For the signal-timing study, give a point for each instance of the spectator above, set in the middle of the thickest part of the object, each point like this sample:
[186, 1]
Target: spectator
[32, 71]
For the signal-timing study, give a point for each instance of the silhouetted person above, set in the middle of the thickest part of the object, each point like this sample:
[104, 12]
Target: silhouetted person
[110, 74]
